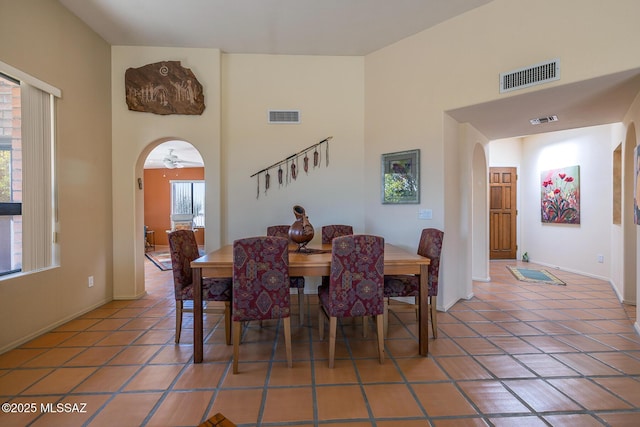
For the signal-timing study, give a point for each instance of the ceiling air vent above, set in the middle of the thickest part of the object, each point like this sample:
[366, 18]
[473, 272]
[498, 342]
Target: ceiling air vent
[542, 120]
[530, 76]
[284, 116]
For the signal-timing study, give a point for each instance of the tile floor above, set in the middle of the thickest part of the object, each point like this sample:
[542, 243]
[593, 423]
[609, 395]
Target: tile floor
[517, 354]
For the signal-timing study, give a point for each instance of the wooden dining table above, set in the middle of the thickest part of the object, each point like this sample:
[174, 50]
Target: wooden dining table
[219, 263]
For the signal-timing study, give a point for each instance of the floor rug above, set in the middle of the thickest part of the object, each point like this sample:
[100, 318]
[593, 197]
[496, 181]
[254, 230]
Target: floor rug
[162, 260]
[538, 276]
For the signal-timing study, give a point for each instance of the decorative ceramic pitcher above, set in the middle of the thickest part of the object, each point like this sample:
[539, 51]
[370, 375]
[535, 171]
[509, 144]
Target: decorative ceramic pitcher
[301, 231]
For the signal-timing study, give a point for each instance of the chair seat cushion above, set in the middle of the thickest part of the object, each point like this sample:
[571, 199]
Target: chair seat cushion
[401, 286]
[212, 290]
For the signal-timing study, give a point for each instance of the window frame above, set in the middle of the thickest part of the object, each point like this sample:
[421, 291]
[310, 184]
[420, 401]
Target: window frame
[192, 182]
[42, 228]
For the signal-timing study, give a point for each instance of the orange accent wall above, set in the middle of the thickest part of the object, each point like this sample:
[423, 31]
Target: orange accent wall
[157, 200]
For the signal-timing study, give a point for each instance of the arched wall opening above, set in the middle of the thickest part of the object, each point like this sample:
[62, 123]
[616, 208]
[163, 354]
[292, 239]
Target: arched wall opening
[480, 217]
[162, 176]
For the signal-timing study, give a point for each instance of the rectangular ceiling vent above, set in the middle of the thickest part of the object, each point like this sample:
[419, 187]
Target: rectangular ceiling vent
[530, 76]
[284, 116]
[543, 120]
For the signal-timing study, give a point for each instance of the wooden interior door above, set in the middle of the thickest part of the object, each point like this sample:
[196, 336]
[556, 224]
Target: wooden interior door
[502, 213]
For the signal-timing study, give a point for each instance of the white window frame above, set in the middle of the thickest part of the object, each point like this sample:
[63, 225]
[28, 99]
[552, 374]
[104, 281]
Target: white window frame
[39, 204]
[198, 223]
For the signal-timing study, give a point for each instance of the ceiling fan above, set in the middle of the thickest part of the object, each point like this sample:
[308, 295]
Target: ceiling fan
[171, 161]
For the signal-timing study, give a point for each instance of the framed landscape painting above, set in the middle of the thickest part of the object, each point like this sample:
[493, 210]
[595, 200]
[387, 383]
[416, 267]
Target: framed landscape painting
[560, 195]
[401, 177]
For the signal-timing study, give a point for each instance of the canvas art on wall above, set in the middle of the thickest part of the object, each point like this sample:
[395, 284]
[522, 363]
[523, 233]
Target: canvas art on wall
[560, 195]
[636, 198]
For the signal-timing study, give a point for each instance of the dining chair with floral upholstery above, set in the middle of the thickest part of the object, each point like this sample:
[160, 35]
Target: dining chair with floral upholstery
[329, 232]
[260, 286]
[355, 286]
[430, 246]
[184, 249]
[296, 282]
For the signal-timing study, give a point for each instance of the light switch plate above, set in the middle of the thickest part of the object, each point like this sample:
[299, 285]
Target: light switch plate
[425, 214]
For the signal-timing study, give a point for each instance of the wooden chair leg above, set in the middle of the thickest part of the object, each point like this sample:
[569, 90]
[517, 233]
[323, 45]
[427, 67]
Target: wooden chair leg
[434, 317]
[178, 320]
[301, 304]
[237, 331]
[385, 315]
[333, 323]
[320, 323]
[380, 330]
[365, 329]
[227, 322]
[287, 340]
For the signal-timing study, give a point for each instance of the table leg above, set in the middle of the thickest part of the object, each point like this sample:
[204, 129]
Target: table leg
[423, 312]
[197, 315]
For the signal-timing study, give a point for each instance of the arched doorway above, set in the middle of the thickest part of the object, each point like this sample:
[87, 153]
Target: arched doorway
[480, 224]
[173, 193]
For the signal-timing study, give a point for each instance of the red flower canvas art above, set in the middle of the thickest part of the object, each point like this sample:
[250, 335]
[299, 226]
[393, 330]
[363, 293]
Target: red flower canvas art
[560, 195]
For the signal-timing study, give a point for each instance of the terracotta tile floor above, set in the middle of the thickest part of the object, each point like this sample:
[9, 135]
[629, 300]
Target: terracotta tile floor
[516, 354]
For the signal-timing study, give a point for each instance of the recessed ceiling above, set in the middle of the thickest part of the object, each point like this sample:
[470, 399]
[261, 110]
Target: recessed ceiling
[295, 27]
[592, 102]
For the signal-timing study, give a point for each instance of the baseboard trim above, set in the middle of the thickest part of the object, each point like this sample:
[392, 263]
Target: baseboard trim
[49, 328]
[130, 298]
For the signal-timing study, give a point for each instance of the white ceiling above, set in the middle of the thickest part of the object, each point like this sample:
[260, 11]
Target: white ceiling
[186, 154]
[345, 27]
[295, 27]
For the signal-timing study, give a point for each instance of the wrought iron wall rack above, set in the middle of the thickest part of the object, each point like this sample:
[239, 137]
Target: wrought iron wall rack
[291, 165]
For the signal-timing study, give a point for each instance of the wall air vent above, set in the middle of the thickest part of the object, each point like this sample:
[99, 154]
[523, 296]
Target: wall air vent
[284, 116]
[541, 120]
[530, 76]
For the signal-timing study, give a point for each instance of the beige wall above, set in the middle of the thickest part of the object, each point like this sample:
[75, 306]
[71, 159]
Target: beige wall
[329, 93]
[571, 247]
[41, 38]
[391, 100]
[136, 133]
[629, 231]
[411, 84]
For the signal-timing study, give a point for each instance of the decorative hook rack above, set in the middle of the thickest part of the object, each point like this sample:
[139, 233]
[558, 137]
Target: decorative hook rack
[291, 165]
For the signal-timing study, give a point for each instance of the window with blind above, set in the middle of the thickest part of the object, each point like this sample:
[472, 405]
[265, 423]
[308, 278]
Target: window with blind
[187, 197]
[26, 173]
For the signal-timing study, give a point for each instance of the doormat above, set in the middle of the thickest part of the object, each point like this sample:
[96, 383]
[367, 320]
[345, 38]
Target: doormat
[537, 276]
[162, 260]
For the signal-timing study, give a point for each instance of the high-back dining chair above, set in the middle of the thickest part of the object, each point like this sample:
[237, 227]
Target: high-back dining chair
[260, 286]
[355, 286]
[329, 232]
[296, 282]
[430, 246]
[184, 249]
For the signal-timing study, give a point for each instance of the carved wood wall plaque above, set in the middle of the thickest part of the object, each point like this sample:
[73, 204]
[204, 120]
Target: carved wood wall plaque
[164, 88]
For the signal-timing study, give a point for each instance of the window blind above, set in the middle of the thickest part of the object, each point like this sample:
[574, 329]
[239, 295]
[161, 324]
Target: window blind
[37, 192]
